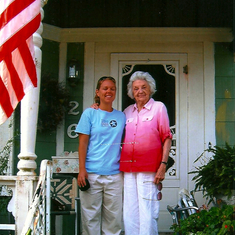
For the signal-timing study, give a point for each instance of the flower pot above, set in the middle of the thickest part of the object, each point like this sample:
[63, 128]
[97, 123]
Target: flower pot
[225, 199]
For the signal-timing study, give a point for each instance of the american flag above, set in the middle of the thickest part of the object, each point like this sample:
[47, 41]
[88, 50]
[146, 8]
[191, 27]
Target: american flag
[19, 19]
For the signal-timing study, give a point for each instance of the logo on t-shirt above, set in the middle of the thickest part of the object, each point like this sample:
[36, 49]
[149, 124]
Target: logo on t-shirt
[104, 122]
[113, 123]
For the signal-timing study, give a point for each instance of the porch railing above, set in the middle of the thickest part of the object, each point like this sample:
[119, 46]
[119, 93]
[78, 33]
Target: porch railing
[38, 217]
[39, 207]
[9, 182]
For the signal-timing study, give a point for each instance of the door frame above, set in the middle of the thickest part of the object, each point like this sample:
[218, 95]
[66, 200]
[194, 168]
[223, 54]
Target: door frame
[178, 60]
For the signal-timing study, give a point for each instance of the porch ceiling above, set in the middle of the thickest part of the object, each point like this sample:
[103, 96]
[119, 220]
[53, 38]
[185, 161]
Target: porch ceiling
[139, 13]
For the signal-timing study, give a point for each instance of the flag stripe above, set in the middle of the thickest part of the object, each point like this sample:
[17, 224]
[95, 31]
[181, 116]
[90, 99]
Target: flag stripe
[15, 80]
[12, 10]
[5, 99]
[19, 19]
[19, 37]
[27, 58]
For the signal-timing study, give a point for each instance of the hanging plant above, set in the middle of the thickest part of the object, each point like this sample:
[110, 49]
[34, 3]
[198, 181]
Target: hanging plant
[53, 104]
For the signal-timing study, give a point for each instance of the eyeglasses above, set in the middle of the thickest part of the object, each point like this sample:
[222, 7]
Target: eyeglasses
[159, 194]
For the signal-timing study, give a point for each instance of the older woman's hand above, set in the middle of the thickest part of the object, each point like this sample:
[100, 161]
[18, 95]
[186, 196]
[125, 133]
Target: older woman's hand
[160, 175]
[95, 106]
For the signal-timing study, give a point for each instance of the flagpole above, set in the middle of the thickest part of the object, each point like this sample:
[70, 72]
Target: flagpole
[29, 113]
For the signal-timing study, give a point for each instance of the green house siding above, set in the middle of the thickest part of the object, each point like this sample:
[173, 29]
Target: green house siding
[224, 94]
[75, 51]
[46, 141]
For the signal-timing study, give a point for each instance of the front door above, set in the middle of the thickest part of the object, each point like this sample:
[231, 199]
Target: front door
[170, 74]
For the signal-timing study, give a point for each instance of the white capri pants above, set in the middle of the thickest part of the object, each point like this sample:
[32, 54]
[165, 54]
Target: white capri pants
[141, 207]
[101, 205]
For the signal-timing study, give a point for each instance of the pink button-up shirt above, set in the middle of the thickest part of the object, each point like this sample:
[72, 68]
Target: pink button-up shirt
[145, 134]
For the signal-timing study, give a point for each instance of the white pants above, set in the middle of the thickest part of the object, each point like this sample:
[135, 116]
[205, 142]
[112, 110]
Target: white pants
[101, 205]
[141, 207]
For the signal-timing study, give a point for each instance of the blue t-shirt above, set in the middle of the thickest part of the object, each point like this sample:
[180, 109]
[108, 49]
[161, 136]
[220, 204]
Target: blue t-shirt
[105, 130]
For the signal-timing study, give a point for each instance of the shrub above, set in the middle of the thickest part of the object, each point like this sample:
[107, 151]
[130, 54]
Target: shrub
[215, 221]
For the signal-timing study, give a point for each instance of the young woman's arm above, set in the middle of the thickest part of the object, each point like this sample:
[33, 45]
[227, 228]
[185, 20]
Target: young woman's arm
[82, 151]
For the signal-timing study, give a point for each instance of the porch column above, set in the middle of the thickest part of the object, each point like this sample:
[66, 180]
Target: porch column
[29, 113]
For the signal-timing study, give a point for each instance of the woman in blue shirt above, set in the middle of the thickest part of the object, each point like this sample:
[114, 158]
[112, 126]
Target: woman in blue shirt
[100, 132]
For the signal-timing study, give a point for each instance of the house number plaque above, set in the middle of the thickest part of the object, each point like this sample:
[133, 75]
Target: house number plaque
[73, 111]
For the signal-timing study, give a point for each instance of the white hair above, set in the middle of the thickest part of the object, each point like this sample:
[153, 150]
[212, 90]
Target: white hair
[139, 75]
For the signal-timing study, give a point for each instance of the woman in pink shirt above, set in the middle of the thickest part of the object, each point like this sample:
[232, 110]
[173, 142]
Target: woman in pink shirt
[144, 156]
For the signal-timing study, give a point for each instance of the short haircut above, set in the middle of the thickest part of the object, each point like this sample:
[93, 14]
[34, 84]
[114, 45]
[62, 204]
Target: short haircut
[140, 75]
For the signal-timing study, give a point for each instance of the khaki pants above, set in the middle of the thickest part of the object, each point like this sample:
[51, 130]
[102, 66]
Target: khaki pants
[101, 205]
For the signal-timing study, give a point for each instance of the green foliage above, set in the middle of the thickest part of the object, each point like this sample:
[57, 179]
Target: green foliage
[53, 104]
[4, 157]
[217, 175]
[216, 221]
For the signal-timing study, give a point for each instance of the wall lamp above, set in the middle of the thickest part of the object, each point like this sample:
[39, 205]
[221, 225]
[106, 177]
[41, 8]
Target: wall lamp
[73, 73]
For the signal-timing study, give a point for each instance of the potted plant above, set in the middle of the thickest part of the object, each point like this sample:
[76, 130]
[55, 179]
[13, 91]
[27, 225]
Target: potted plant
[214, 221]
[216, 176]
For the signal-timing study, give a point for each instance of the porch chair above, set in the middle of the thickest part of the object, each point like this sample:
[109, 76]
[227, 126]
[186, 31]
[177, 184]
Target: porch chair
[64, 200]
[185, 207]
